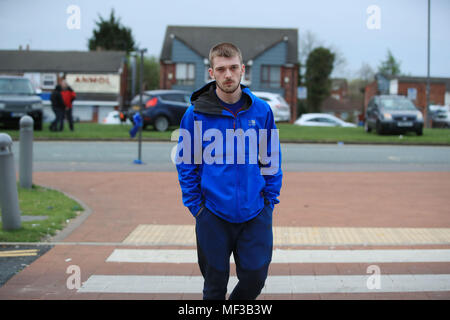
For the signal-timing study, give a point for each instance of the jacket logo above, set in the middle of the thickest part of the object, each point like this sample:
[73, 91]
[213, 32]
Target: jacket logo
[251, 123]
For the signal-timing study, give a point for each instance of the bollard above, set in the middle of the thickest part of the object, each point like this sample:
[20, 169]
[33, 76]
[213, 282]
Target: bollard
[9, 199]
[26, 152]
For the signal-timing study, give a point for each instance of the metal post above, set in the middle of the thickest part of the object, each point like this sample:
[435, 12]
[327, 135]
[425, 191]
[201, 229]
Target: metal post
[9, 199]
[26, 152]
[141, 77]
[428, 118]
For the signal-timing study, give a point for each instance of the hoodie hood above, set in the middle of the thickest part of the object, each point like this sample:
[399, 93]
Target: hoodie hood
[205, 99]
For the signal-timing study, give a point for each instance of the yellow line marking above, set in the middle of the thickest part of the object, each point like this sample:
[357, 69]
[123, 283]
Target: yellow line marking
[19, 251]
[17, 255]
[185, 235]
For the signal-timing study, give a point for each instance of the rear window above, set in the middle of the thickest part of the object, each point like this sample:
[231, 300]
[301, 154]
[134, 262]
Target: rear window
[145, 98]
[176, 97]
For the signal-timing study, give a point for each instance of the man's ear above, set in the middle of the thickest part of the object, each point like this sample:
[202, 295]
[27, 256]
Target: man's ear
[211, 73]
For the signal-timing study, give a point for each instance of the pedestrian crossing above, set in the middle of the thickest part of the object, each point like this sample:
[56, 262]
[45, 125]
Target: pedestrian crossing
[372, 280]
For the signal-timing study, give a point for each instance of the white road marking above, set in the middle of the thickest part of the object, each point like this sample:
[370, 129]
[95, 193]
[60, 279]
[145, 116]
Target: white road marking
[291, 256]
[274, 284]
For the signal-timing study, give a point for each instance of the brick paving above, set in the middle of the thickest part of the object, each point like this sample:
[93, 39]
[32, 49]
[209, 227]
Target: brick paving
[119, 202]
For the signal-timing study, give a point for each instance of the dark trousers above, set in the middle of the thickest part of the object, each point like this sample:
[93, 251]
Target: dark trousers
[58, 123]
[250, 242]
[69, 117]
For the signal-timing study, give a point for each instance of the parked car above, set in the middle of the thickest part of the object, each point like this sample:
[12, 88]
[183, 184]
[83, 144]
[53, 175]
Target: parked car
[113, 117]
[280, 108]
[440, 119]
[322, 120]
[161, 108]
[393, 113]
[18, 98]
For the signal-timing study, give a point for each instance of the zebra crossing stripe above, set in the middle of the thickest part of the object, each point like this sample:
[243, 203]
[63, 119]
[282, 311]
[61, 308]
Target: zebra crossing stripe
[274, 284]
[291, 256]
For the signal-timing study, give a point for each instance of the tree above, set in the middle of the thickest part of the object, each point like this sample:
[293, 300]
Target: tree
[111, 35]
[150, 75]
[319, 66]
[389, 67]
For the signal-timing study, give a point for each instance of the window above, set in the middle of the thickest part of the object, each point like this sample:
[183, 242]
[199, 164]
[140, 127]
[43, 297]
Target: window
[48, 81]
[176, 97]
[185, 74]
[270, 76]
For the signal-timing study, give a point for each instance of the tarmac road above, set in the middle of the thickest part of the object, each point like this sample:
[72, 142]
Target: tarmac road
[119, 156]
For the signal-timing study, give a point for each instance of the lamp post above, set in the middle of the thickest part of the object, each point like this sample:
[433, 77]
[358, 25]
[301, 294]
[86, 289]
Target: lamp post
[141, 73]
[428, 118]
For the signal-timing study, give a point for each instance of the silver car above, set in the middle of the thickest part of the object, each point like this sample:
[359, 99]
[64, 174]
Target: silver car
[280, 108]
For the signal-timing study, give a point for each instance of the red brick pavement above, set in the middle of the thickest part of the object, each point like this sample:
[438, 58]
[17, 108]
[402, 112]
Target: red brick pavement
[121, 201]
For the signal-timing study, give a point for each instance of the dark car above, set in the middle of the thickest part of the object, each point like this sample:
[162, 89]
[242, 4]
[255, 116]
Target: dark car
[18, 98]
[440, 119]
[161, 108]
[392, 114]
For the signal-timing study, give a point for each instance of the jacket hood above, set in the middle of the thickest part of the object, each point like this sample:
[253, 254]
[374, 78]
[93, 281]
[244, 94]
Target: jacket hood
[205, 99]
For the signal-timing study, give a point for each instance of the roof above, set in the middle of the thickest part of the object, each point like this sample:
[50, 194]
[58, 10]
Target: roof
[251, 41]
[61, 61]
[446, 81]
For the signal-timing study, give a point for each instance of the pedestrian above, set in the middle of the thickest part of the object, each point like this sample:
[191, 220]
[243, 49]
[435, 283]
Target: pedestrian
[223, 185]
[58, 108]
[68, 96]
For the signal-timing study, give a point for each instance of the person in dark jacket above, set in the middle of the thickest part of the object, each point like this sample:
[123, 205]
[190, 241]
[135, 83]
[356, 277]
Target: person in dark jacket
[58, 108]
[68, 96]
[228, 160]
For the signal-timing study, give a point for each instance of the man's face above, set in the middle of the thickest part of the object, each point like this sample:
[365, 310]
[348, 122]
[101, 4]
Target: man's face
[227, 72]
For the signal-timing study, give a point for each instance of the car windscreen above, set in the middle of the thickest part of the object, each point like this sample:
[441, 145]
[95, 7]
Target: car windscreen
[396, 104]
[16, 86]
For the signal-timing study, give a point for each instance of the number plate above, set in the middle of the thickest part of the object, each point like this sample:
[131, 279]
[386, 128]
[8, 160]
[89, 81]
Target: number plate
[405, 124]
[136, 108]
[17, 114]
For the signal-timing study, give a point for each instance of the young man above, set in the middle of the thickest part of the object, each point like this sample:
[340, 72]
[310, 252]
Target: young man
[228, 138]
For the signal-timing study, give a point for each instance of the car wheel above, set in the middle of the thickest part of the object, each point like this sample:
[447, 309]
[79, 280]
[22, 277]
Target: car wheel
[419, 132]
[161, 123]
[366, 127]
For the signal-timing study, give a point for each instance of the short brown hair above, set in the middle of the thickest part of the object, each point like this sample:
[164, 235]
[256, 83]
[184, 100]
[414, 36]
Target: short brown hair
[224, 49]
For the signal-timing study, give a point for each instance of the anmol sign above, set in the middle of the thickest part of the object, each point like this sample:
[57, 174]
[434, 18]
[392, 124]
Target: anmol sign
[98, 83]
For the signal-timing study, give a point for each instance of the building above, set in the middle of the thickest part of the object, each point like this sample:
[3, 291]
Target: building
[99, 78]
[412, 87]
[270, 58]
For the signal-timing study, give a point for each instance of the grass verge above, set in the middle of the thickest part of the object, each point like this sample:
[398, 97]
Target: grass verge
[40, 201]
[288, 133]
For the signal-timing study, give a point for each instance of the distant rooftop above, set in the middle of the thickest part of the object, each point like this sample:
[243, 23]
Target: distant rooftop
[251, 41]
[61, 61]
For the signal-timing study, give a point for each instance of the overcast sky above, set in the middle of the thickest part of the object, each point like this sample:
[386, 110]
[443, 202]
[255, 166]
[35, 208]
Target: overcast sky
[341, 24]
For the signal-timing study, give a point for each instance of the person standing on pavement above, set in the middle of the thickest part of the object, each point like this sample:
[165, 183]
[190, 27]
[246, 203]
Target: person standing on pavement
[224, 183]
[58, 108]
[68, 96]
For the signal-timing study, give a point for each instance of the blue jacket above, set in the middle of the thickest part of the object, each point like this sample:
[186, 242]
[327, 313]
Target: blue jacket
[221, 159]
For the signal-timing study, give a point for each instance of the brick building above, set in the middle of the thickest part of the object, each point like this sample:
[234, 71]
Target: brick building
[412, 87]
[270, 58]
